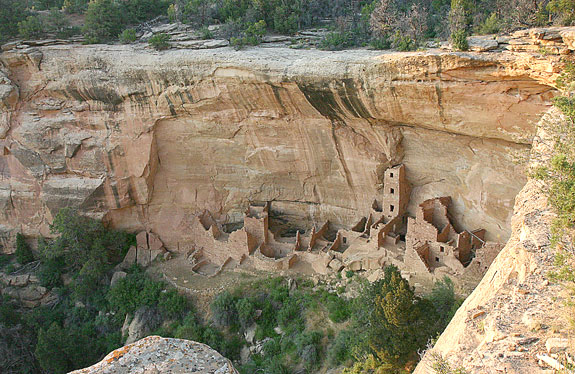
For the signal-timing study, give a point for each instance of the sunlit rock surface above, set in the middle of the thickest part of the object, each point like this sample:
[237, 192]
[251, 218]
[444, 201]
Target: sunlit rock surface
[154, 355]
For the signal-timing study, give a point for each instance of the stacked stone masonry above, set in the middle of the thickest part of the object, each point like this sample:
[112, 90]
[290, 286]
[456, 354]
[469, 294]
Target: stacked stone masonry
[425, 247]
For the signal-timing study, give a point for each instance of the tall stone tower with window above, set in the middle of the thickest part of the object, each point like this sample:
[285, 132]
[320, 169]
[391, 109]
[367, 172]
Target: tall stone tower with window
[396, 192]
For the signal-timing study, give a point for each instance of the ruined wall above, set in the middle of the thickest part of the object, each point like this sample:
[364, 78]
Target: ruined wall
[146, 139]
[503, 326]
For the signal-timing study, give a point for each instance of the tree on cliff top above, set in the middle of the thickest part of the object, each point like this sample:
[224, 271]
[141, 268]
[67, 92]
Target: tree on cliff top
[11, 12]
[103, 22]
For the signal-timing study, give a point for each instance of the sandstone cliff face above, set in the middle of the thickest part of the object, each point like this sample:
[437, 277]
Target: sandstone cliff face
[155, 355]
[147, 139]
[514, 312]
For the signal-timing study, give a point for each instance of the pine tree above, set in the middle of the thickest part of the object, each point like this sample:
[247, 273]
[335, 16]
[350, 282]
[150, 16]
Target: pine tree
[23, 253]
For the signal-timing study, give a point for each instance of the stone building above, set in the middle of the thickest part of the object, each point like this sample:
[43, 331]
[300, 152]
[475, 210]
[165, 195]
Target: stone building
[425, 247]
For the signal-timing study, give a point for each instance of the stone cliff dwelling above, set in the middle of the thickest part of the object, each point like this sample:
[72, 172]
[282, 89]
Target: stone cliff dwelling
[425, 247]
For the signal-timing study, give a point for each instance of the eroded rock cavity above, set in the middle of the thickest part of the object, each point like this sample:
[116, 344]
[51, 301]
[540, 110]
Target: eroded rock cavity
[149, 140]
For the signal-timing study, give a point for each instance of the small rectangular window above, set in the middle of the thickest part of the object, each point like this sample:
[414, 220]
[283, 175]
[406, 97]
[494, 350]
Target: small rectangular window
[391, 175]
[344, 240]
[391, 191]
[391, 207]
[441, 249]
[437, 259]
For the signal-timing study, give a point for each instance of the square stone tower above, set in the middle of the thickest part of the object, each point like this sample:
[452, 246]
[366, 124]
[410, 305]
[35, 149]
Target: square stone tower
[396, 192]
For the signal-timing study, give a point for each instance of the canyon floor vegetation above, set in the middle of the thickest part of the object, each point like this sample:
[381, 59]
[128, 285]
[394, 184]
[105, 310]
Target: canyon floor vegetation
[382, 24]
[292, 325]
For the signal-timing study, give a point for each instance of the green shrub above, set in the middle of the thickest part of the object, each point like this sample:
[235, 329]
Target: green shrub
[564, 10]
[31, 28]
[308, 347]
[4, 260]
[173, 13]
[75, 6]
[252, 35]
[8, 314]
[160, 41]
[49, 4]
[141, 10]
[205, 33]
[198, 12]
[128, 36]
[172, 304]
[338, 308]
[246, 312]
[224, 312]
[134, 291]
[459, 40]
[11, 13]
[103, 21]
[335, 41]
[380, 43]
[190, 329]
[340, 351]
[289, 317]
[403, 43]
[441, 366]
[52, 349]
[349, 273]
[51, 271]
[23, 252]
[490, 25]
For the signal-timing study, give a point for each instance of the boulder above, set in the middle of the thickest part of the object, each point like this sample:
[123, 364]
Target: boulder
[375, 276]
[145, 320]
[19, 280]
[320, 264]
[354, 265]
[250, 334]
[482, 43]
[160, 355]
[130, 258]
[335, 265]
[154, 242]
[556, 345]
[568, 35]
[142, 240]
[117, 276]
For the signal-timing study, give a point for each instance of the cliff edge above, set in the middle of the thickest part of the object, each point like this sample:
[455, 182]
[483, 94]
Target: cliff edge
[514, 316]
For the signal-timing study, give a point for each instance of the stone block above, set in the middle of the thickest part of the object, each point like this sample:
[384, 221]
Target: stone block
[154, 242]
[336, 265]
[117, 276]
[142, 239]
[354, 265]
[556, 345]
[156, 253]
[144, 257]
[130, 258]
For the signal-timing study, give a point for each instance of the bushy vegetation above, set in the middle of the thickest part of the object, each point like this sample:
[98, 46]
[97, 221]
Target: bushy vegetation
[23, 252]
[400, 324]
[296, 328]
[399, 24]
[11, 13]
[128, 36]
[160, 41]
[83, 323]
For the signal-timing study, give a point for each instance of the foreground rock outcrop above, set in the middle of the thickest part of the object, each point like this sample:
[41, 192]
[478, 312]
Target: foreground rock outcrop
[513, 320]
[154, 355]
[147, 140]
